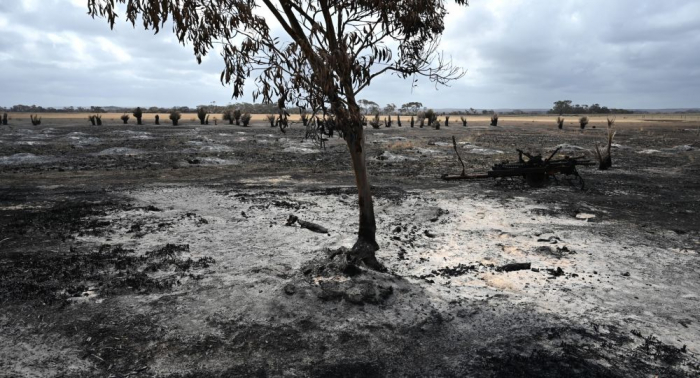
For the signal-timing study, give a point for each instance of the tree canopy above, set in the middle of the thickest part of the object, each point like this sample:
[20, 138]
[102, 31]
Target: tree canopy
[411, 107]
[566, 107]
[335, 48]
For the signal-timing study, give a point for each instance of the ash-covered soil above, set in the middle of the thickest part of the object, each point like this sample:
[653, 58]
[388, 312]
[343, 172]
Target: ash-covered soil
[164, 251]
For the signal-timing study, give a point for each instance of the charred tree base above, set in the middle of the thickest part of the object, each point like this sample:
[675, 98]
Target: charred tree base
[363, 253]
[360, 286]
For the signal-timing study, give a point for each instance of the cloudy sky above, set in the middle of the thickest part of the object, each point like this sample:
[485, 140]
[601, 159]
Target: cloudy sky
[519, 54]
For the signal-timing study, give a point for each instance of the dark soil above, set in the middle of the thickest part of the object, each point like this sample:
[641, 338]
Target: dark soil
[96, 281]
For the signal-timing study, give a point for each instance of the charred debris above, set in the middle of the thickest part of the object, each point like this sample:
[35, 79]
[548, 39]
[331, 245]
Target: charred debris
[534, 170]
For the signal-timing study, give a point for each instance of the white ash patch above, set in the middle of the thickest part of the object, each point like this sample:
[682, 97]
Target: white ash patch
[428, 151]
[389, 157]
[474, 149]
[188, 133]
[388, 140]
[210, 161]
[200, 142]
[132, 134]
[207, 145]
[570, 148]
[305, 147]
[20, 132]
[218, 161]
[120, 151]
[25, 158]
[683, 148]
[620, 147]
[77, 140]
[671, 150]
[585, 216]
[141, 137]
[215, 148]
[28, 134]
[301, 150]
[421, 236]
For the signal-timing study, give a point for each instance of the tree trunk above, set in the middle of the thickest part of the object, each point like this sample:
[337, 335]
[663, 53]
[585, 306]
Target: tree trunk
[366, 245]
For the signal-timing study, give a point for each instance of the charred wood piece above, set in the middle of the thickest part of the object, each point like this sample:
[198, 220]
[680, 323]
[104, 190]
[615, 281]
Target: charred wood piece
[514, 267]
[307, 225]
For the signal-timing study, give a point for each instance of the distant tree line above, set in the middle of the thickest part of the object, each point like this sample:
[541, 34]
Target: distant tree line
[367, 107]
[566, 107]
[212, 108]
[415, 108]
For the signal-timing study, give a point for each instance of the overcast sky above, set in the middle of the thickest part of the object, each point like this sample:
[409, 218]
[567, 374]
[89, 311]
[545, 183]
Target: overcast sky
[519, 54]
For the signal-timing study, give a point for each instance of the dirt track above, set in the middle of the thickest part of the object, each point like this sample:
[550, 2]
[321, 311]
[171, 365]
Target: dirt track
[163, 251]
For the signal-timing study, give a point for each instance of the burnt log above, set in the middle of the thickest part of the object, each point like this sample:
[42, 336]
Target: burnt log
[307, 225]
[514, 267]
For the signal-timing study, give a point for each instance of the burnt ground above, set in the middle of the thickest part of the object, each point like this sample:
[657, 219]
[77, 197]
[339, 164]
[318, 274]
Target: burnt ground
[162, 251]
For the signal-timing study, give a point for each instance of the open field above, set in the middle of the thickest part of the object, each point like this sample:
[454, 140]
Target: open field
[162, 251]
[571, 120]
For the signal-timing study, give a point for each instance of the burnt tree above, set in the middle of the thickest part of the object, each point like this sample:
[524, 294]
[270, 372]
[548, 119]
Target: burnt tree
[271, 119]
[202, 115]
[138, 114]
[583, 122]
[333, 50]
[560, 122]
[228, 116]
[304, 117]
[605, 155]
[175, 117]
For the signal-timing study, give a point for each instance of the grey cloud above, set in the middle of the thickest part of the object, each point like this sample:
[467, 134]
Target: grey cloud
[588, 51]
[519, 54]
